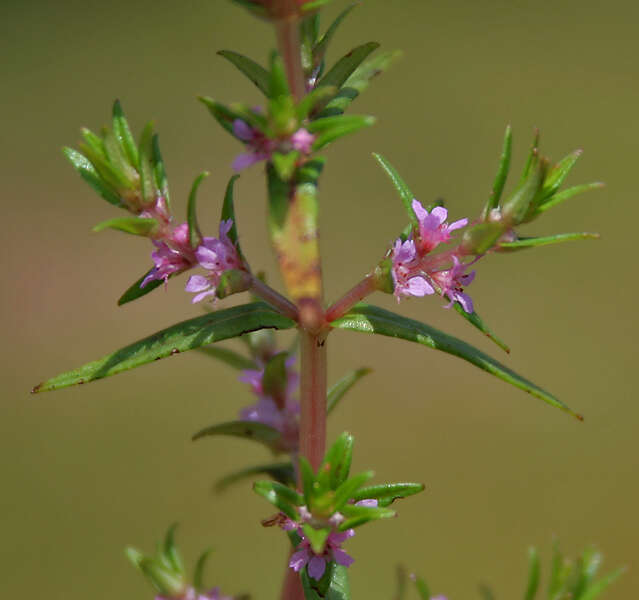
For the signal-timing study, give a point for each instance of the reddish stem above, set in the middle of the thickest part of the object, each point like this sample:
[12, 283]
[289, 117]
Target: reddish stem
[288, 41]
[358, 292]
[275, 299]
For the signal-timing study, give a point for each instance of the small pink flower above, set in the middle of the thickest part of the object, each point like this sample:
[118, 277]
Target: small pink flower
[433, 229]
[452, 283]
[216, 255]
[261, 148]
[171, 256]
[407, 279]
[316, 563]
[302, 141]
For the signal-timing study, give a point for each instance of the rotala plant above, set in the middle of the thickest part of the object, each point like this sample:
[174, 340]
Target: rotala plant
[316, 501]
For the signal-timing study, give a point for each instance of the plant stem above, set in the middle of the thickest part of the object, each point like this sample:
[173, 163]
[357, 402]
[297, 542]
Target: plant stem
[274, 298]
[358, 292]
[313, 397]
[288, 42]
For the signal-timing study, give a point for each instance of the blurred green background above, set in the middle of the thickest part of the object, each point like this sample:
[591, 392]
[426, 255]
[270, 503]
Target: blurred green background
[89, 470]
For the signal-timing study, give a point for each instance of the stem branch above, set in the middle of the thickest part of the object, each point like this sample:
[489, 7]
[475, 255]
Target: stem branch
[358, 292]
[274, 298]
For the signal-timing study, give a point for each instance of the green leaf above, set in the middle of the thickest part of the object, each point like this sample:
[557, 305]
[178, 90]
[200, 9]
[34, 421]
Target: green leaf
[282, 472]
[358, 82]
[502, 174]
[94, 142]
[337, 461]
[403, 190]
[133, 225]
[532, 242]
[228, 357]
[285, 164]
[346, 65]
[600, 586]
[147, 179]
[159, 170]
[387, 493]
[280, 496]
[278, 82]
[118, 160]
[135, 291]
[314, 5]
[476, 321]
[533, 574]
[522, 203]
[308, 479]
[250, 430]
[347, 488]
[317, 537]
[123, 134]
[275, 380]
[170, 550]
[195, 234]
[372, 319]
[187, 335]
[422, 588]
[532, 157]
[346, 126]
[333, 586]
[319, 51]
[557, 175]
[485, 592]
[223, 115]
[557, 572]
[569, 193]
[88, 172]
[340, 388]
[255, 72]
[228, 212]
[198, 573]
[313, 99]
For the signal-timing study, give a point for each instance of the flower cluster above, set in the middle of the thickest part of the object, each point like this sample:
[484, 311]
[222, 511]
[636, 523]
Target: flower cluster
[261, 147]
[216, 255]
[277, 410]
[416, 272]
[316, 562]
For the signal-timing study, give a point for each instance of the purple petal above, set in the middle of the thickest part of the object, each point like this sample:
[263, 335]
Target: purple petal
[458, 224]
[203, 295]
[299, 559]
[418, 286]
[206, 257]
[420, 212]
[368, 502]
[342, 558]
[467, 279]
[440, 213]
[242, 130]
[465, 300]
[243, 161]
[153, 275]
[197, 283]
[316, 567]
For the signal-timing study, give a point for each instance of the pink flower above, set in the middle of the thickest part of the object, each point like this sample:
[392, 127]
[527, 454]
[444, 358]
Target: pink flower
[452, 282]
[261, 148]
[302, 141]
[316, 563]
[216, 255]
[173, 255]
[407, 278]
[433, 229]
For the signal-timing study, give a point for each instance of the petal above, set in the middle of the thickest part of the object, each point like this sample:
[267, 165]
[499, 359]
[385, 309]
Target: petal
[420, 212]
[440, 213]
[458, 224]
[465, 300]
[316, 567]
[245, 160]
[369, 502]
[203, 295]
[197, 283]
[342, 558]
[242, 130]
[467, 279]
[153, 275]
[299, 559]
[418, 286]
[207, 257]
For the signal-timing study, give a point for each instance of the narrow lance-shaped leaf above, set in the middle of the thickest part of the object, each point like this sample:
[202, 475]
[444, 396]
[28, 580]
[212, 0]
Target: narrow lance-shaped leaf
[255, 72]
[123, 133]
[159, 170]
[319, 51]
[187, 335]
[279, 495]
[135, 291]
[523, 243]
[387, 493]
[557, 175]
[372, 319]
[170, 550]
[119, 161]
[346, 65]
[599, 587]
[476, 321]
[195, 234]
[198, 573]
[569, 193]
[422, 588]
[485, 592]
[250, 430]
[358, 81]
[88, 172]
[532, 157]
[222, 114]
[333, 586]
[403, 190]
[502, 174]
[533, 575]
[147, 179]
[133, 225]
[338, 127]
[341, 387]
[228, 212]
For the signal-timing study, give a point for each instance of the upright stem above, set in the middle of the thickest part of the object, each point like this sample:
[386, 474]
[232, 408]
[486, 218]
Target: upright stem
[313, 397]
[288, 41]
